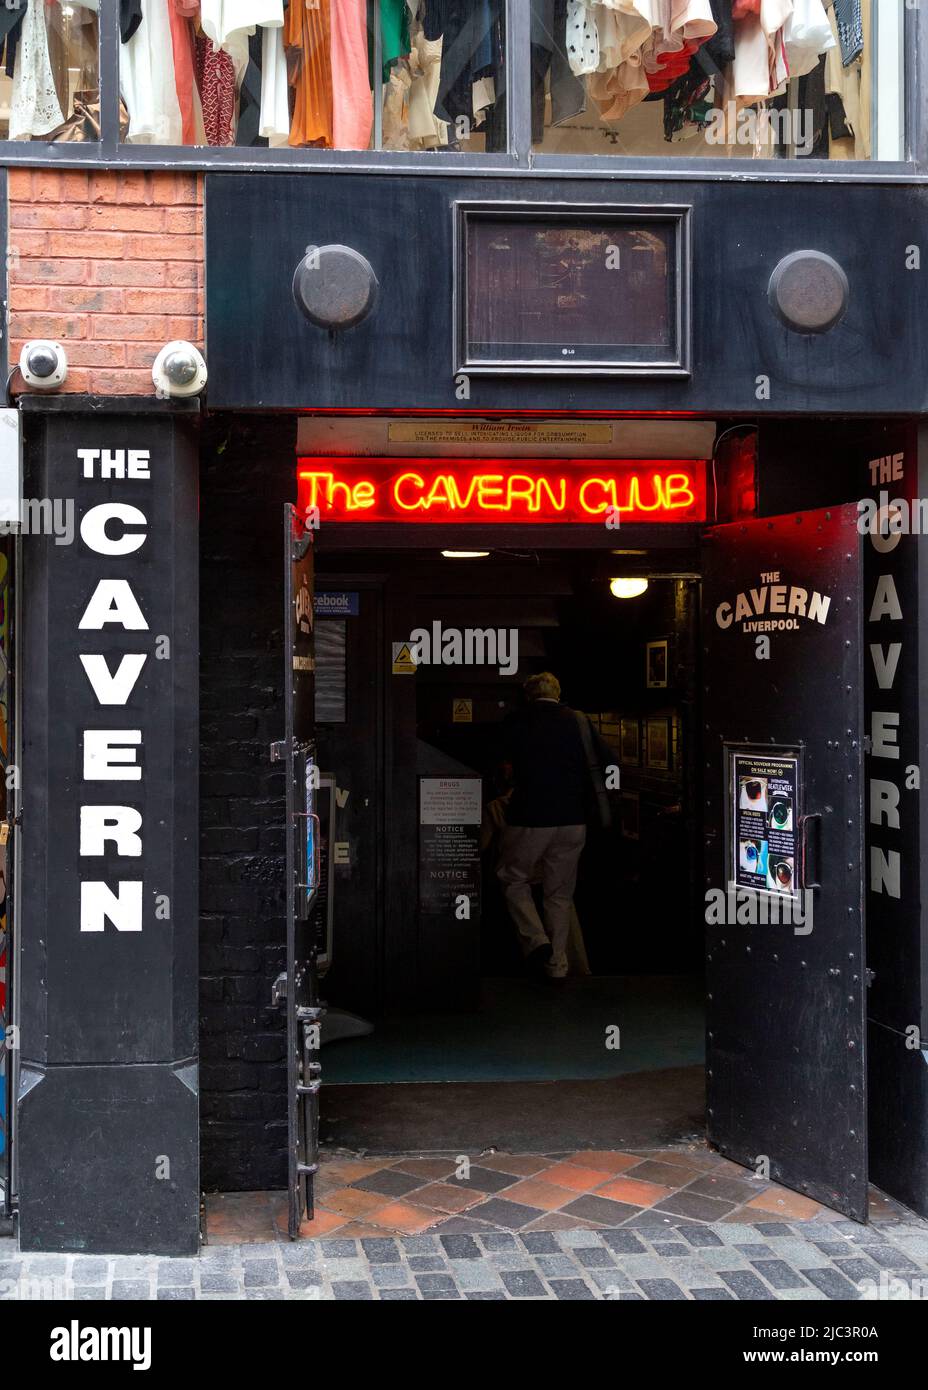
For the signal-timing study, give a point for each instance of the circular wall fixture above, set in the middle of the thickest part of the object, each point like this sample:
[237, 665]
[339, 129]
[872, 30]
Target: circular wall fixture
[809, 292]
[334, 286]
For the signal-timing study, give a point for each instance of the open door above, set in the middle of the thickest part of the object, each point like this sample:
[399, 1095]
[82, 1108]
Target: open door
[298, 990]
[786, 974]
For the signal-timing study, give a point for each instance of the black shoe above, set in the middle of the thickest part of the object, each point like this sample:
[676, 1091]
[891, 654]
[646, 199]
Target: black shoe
[536, 960]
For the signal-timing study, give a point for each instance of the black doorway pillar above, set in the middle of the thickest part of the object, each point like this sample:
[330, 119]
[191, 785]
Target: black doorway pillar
[107, 1115]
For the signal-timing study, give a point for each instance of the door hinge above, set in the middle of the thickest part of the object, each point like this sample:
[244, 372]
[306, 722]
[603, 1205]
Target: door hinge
[279, 751]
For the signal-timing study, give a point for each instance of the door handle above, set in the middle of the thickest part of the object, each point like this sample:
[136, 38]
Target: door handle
[804, 848]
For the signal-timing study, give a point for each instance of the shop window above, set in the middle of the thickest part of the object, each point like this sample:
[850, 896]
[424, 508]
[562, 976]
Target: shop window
[315, 74]
[49, 75]
[735, 79]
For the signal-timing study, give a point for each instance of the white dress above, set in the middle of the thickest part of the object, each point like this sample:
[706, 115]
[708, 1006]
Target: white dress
[34, 106]
[807, 35]
[146, 80]
[219, 19]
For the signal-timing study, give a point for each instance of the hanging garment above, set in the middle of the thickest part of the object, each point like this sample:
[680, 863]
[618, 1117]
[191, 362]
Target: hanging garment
[274, 115]
[249, 93]
[309, 64]
[582, 41]
[130, 17]
[34, 105]
[215, 73]
[146, 80]
[425, 130]
[551, 61]
[394, 34]
[807, 35]
[760, 65]
[850, 86]
[470, 30]
[850, 26]
[352, 99]
[183, 47]
[219, 19]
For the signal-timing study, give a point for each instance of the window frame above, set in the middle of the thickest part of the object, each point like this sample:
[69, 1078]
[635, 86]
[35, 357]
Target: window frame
[520, 156]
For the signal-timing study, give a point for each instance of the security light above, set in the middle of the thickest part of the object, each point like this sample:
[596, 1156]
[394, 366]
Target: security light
[43, 364]
[179, 370]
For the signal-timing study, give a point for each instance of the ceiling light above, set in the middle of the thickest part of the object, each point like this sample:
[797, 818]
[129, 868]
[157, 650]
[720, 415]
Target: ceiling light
[627, 588]
[465, 554]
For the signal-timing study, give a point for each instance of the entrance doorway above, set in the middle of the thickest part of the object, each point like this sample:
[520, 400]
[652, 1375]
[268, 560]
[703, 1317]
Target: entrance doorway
[473, 1046]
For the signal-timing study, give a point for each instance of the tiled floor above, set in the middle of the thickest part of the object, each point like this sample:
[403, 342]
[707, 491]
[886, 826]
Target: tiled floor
[370, 1197]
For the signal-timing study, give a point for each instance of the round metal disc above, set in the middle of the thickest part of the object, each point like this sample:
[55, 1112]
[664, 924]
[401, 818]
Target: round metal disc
[809, 292]
[335, 286]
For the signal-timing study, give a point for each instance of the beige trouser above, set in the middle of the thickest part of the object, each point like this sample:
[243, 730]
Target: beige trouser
[549, 854]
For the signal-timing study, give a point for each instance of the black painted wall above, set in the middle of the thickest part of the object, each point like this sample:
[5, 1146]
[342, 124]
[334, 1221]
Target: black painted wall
[246, 476]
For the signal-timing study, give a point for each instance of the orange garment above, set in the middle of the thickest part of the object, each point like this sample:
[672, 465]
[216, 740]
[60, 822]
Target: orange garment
[182, 42]
[307, 39]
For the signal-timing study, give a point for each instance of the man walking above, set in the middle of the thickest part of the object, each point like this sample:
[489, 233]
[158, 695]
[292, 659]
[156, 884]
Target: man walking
[558, 764]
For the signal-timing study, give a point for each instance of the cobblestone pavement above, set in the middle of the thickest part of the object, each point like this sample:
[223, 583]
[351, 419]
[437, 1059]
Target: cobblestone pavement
[817, 1260]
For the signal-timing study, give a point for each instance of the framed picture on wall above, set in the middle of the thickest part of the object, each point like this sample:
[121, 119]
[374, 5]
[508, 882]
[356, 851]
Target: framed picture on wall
[631, 815]
[630, 742]
[656, 665]
[657, 743]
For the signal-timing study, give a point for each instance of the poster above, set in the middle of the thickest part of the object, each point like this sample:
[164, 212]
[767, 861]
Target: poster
[764, 820]
[450, 811]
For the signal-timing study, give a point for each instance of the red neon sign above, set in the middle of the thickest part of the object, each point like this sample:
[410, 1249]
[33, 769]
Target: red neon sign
[503, 490]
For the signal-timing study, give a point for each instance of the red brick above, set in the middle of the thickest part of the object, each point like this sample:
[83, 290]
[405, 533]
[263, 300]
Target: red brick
[116, 218]
[184, 273]
[177, 188]
[55, 272]
[92, 354]
[28, 297]
[54, 215]
[128, 273]
[89, 298]
[161, 248]
[20, 185]
[124, 186]
[183, 220]
[46, 186]
[142, 354]
[115, 327]
[100, 245]
[48, 325]
[189, 328]
[74, 186]
[159, 301]
[122, 383]
[78, 380]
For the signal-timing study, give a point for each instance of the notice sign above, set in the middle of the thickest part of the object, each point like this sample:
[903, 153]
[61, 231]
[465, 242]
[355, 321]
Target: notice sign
[450, 810]
[764, 820]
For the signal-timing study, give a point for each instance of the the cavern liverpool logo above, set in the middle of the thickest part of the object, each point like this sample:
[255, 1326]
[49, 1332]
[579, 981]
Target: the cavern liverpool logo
[773, 606]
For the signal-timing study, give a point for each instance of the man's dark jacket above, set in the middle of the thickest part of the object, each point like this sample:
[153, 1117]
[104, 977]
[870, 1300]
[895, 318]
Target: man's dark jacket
[552, 782]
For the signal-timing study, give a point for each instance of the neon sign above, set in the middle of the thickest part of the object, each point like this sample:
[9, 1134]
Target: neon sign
[503, 490]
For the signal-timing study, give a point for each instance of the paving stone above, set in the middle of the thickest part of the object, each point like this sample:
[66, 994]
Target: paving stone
[339, 1249]
[419, 1245]
[832, 1283]
[435, 1283]
[609, 1279]
[344, 1290]
[219, 1280]
[660, 1290]
[522, 1283]
[692, 1273]
[503, 1240]
[461, 1247]
[723, 1257]
[345, 1269]
[593, 1257]
[712, 1295]
[398, 1296]
[602, 1209]
[43, 1265]
[175, 1272]
[422, 1264]
[639, 1267]
[388, 1183]
[139, 1289]
[379, 1251]
[304, 1278]
[858, 1269]
[480, 1296]
[299, 1252]
[753, 1252]
[803, 1256]
[473, 1274]
[700, 1236]
[571, 1290]
[561, 1266]
[811, 1295]
[779, 1274]
[264, 1295]
[835, 1249]
[745, 1285]
[540, 1242]
[260, 1274]
[772, 1230]
[624, 1242]
[567, 1240]
[511, 1215]
[175, 1293]
[734, 1233]
[484, 1180]
[889, 1257]
[87, 1269]
[443, 1296]
[668, 1249]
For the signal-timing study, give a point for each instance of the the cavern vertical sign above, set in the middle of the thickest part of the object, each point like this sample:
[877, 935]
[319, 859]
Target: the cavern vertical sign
[107, 1099]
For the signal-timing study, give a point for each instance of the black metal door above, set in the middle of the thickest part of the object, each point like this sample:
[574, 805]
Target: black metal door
[298, 990]
[786, 1001]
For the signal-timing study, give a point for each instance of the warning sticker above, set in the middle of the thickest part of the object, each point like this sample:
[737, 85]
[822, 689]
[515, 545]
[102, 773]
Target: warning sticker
[462, 711]
[403, 661]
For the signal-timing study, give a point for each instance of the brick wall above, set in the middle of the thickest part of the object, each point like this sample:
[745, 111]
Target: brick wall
[111, 265]
[246, 476]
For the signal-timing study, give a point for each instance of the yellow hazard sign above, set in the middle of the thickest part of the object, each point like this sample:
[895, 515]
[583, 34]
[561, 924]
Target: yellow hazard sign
[403, 661]
[462, 711]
